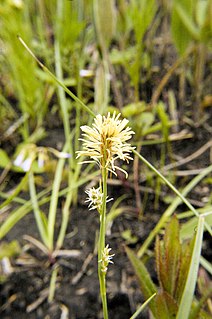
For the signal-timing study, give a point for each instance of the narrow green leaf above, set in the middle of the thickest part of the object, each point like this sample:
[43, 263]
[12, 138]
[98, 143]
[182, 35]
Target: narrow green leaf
[181, 36]
[139, 310]
[164, 119]
[147, 286]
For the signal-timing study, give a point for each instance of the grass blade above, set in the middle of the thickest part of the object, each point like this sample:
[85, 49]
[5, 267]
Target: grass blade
[139, 310]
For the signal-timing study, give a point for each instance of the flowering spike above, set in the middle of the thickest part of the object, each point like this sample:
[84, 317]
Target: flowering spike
[106, 259]
[95, 197]
[106, 141]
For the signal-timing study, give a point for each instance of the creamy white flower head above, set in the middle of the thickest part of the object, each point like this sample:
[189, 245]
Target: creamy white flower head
[106, 141]
[95, 197]
[106, 259]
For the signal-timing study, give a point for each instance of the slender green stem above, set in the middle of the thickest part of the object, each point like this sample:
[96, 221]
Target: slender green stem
[54, 198]
[37, 213]
[102, 282]
[102, 276]
[54, 201]
[139, 310]
[52, 285]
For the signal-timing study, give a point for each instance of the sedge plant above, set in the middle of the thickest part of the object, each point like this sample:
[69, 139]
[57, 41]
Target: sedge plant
[104, 143]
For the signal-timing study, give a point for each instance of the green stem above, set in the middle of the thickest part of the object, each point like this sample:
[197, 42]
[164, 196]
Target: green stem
[102, 276]
[102, 282]
[37, 213]
[54, 199]
[52, 285]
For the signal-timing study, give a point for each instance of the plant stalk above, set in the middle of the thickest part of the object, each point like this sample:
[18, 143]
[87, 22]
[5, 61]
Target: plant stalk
[37, 213]
[101, 246]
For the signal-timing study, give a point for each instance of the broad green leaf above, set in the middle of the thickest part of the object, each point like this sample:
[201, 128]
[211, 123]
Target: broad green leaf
[105, 21]
[188, 292]
[206, 23]
[168, 253]
[184, 268]
[166, 306]
[187, 22]
[172, 253]
[181, 36]
[201, 11]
